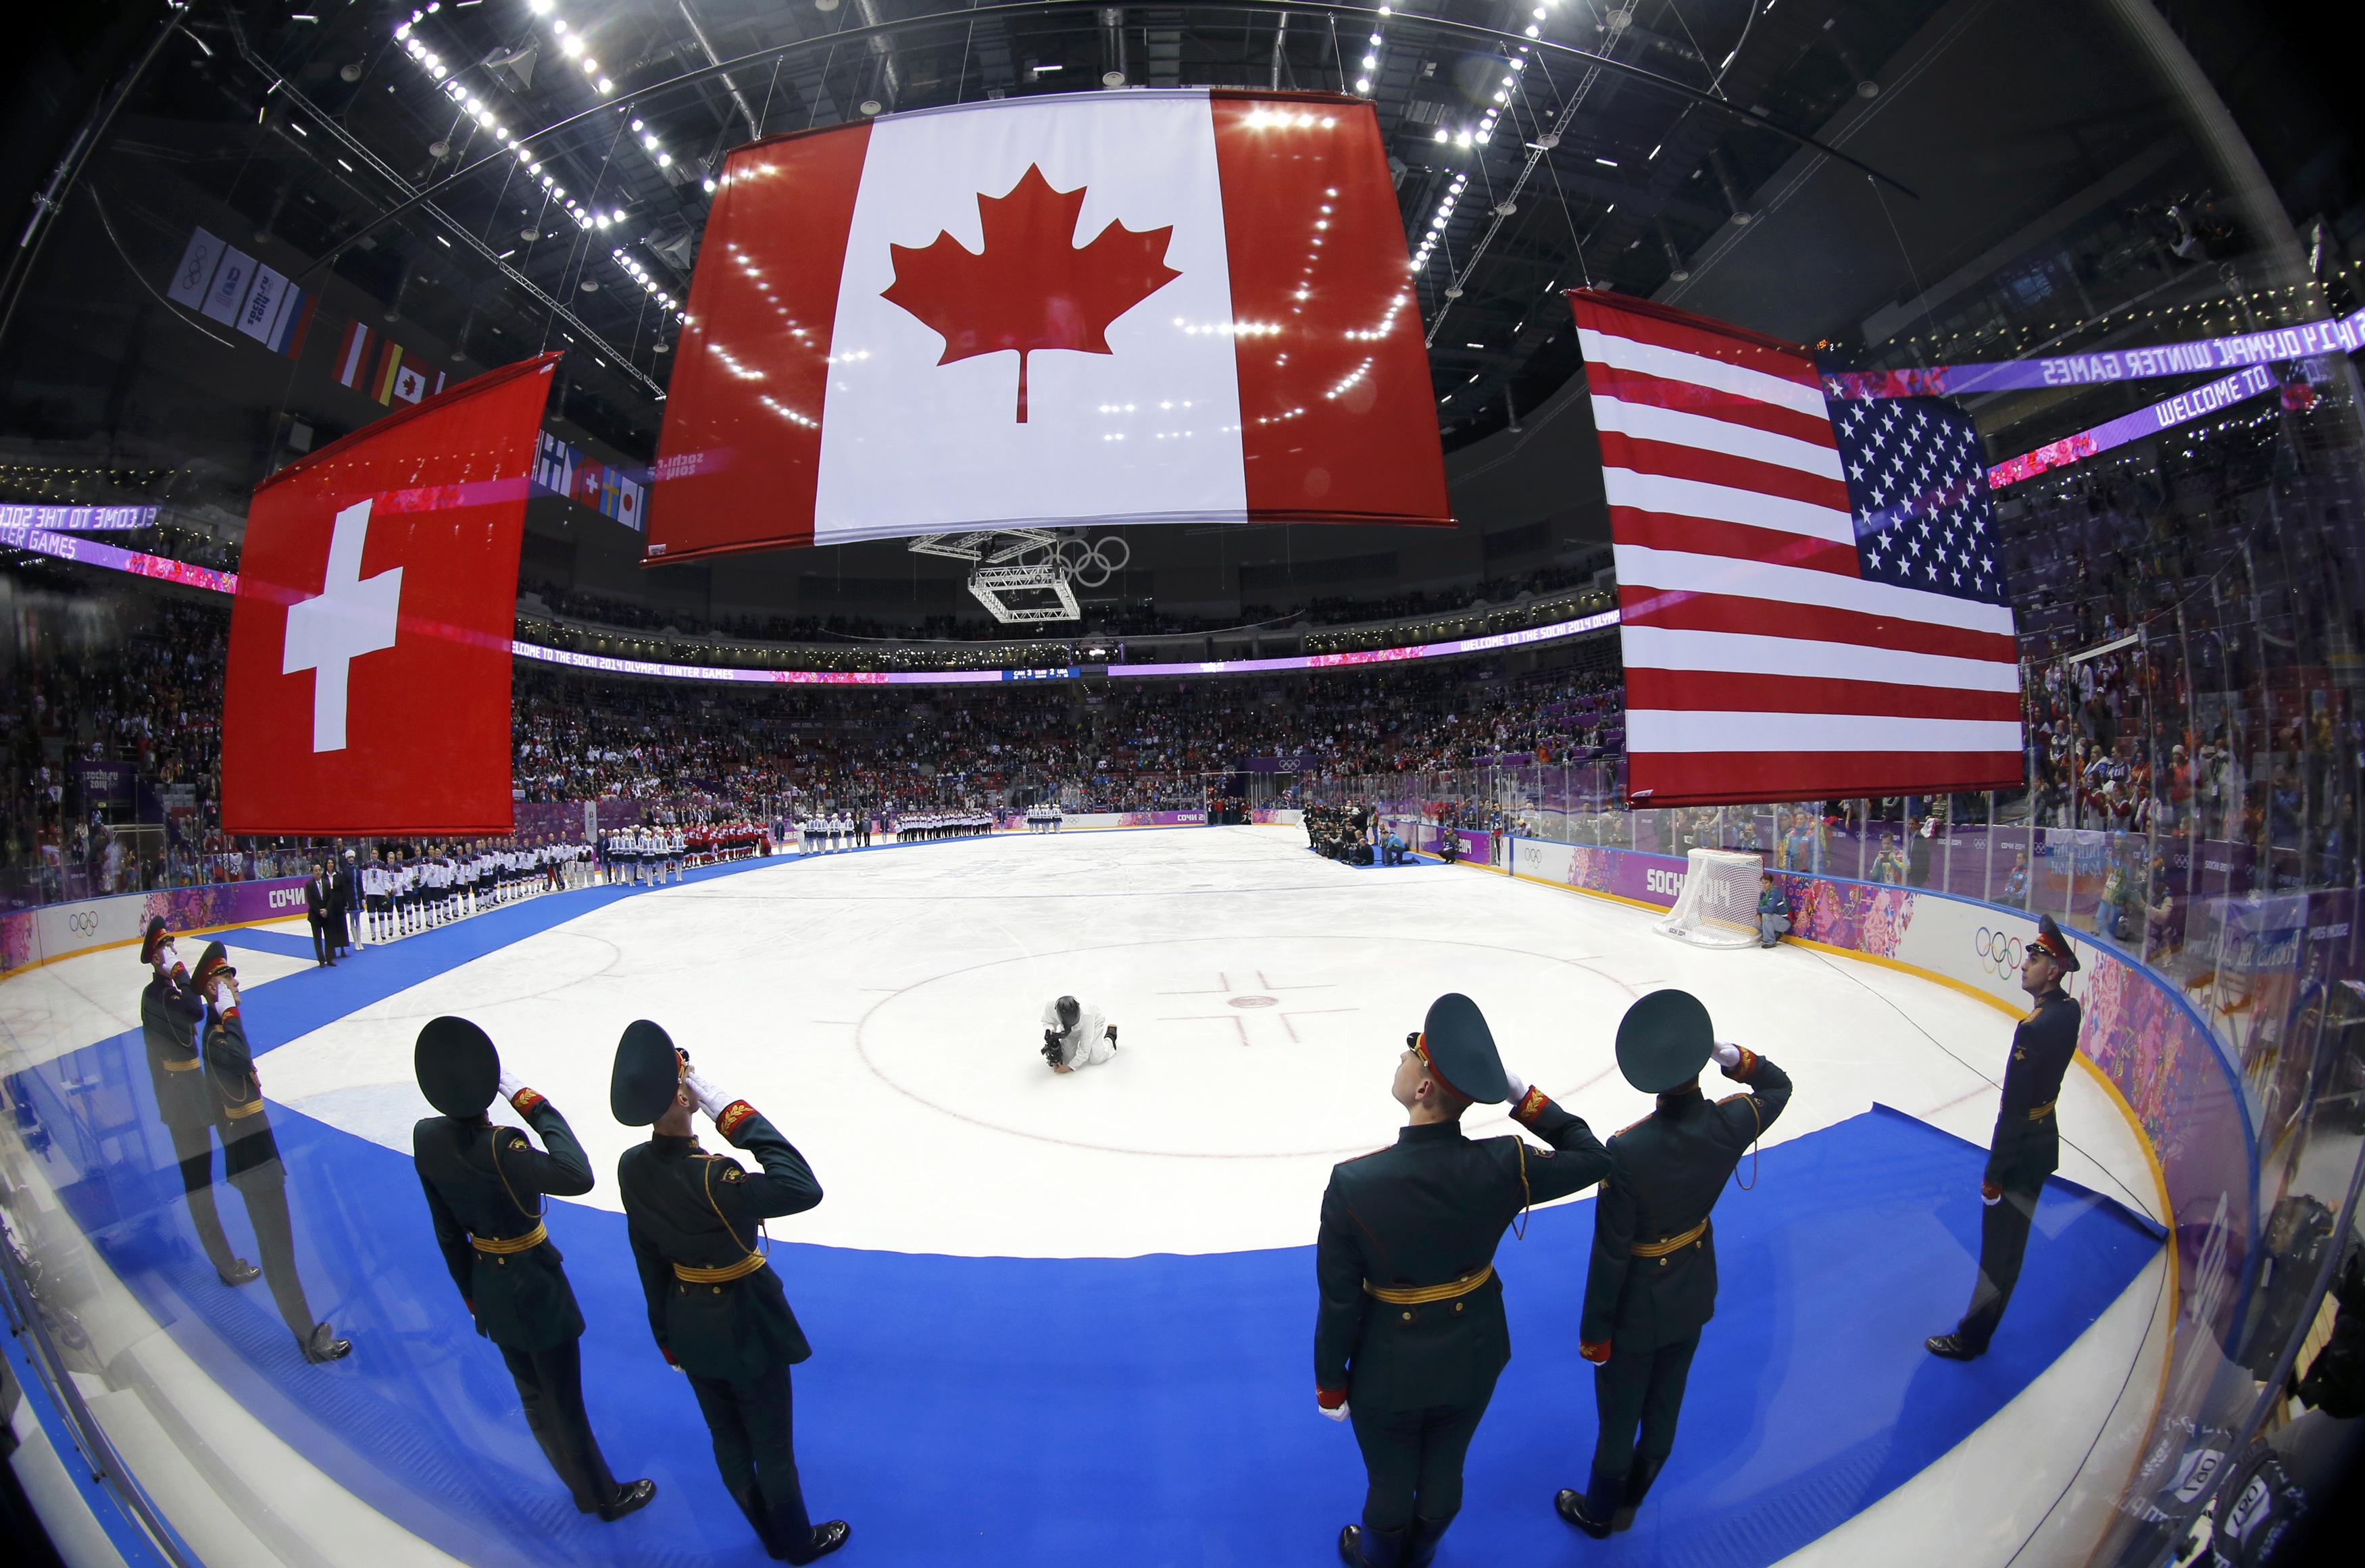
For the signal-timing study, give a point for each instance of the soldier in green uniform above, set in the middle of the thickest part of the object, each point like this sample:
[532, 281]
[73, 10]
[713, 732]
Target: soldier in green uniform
[1652, 1284]
[1411, 1322]
[717, 1309]
[251, 1155]
[171, 1013]
[486, 1187]
[2026, 1148]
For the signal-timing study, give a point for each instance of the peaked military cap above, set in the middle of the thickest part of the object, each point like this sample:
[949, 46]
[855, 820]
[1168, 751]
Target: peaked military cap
[647, 1075]
[148, 938]
[2052, 945]
[1460, 1049]
[456, 1066]
[215, 956]
[1664, 1041]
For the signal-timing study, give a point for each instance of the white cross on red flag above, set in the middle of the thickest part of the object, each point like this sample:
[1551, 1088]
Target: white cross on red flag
[1158, 306]
[368, 687]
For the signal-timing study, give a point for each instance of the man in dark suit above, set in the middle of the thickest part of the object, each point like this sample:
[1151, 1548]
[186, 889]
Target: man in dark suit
[317, 897]
[1411, 1323]
[171, 1013]
[251, 1155]
[716, 1308]
[479, 1181]
[2026, 1148]
[1652, 1284]
[344, 905]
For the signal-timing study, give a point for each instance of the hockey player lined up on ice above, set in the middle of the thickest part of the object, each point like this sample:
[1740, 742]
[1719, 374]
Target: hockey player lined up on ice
[1075, 1035]
[377, 898]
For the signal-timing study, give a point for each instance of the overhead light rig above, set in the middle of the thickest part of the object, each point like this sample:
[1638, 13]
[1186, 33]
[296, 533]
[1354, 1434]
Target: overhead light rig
[1026, 576]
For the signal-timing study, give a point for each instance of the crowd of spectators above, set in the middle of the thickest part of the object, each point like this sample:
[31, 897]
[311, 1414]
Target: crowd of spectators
[592, 612]
[2177, 614]
[138, 680]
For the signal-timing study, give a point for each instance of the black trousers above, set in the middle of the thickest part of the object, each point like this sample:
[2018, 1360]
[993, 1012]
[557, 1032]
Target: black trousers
[1412, 1460]
[251, 1159]
[752, 1422]
[193, 1147]
[2003, 1242]
[319, 938]
[550, 1386]
[1635, 1390]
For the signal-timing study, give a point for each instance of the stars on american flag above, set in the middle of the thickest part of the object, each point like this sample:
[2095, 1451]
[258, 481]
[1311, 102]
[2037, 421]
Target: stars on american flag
[1917, 486]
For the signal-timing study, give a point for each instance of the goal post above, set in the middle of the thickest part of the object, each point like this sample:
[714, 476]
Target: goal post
[1718, 907]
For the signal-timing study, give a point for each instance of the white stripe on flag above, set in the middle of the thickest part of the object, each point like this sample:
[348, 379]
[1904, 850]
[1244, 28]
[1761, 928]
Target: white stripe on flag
[1693, 497]
[1745, 652]
[1718, 375]
[1677, 571]
[1662, 730]
[1647, 421]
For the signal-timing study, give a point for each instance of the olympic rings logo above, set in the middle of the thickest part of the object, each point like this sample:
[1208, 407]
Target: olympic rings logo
[2001, 950]
[1086, 563]
[83, 922]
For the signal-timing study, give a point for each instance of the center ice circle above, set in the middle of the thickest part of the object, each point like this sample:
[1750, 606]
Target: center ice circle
[1272, 1048]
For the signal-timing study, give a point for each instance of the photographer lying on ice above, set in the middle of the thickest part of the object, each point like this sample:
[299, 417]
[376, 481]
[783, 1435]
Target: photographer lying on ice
[1075, 1035]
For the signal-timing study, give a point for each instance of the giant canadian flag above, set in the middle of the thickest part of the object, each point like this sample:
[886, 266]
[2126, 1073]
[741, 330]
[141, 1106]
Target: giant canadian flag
[368, 683]
[1130, 307]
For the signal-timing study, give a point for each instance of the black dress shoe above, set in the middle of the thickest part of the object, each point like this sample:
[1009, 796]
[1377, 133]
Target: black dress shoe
[240, 1273]
[826, 1539]
[1570, 1505]
[324, 1345]
[631, 1497]
[1953, 1346]
[1359, 1548]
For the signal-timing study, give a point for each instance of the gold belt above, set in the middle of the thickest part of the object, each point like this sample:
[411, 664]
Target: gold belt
[189, 1066]
[2038, 1113]
[509, 1245]
[1421, 1295]
[253, 1107]
[1672, 1244]
[691, 1275]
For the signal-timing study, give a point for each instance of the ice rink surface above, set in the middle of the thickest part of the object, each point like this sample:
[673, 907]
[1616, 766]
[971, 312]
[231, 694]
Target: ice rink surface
[882, 1008]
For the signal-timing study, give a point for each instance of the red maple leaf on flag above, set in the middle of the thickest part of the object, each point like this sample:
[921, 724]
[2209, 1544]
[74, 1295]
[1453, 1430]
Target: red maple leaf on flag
[1033, 287]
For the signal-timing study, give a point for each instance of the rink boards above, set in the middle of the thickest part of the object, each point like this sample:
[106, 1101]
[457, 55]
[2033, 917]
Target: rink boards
[1076, 1409]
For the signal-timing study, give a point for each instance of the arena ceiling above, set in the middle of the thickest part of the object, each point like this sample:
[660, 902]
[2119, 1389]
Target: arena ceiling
[512, 174]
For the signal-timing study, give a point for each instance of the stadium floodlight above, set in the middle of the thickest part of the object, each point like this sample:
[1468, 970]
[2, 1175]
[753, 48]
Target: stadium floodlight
[1017, 595]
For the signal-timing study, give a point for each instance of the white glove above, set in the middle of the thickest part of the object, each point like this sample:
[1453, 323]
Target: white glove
[1518, 1085]
[1728, 1055]
[1338, 1415]
[710, 1100]
[509, 1084]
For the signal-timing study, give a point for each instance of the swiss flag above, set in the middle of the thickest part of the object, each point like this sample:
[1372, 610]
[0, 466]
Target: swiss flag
[1131, 307]
[368, 687]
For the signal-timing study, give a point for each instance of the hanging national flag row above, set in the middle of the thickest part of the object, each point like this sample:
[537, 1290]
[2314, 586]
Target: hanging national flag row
[220, 280]
[607, 489]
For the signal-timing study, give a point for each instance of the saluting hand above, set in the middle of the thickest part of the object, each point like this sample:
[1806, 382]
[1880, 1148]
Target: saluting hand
[710, 1100]
[508, 1085]
[1727, 1054]
[1518, 1086]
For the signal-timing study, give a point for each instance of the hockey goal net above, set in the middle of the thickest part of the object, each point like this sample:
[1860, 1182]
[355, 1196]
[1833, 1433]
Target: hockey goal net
[1718, 907]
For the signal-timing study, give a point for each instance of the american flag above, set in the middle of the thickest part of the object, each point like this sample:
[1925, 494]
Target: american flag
[1811, 603]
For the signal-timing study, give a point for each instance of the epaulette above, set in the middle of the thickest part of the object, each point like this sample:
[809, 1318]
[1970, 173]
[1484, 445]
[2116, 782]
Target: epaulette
[1637, 1122]
[1731, 1098]
[1367, 1154]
